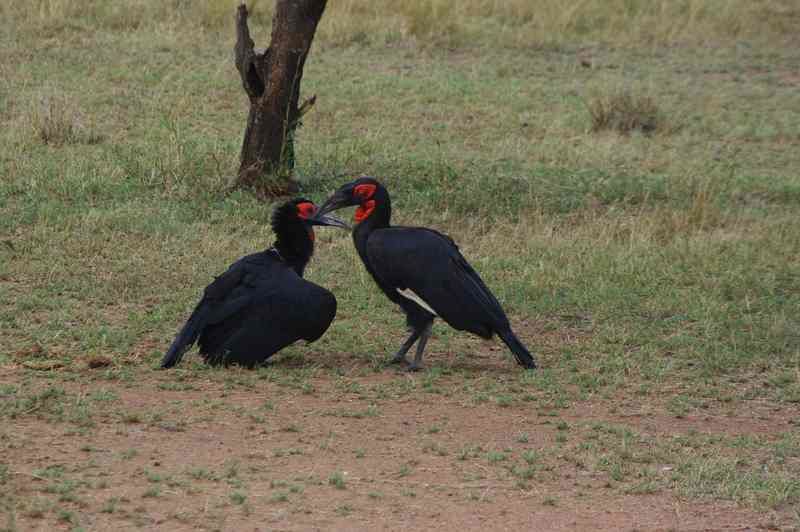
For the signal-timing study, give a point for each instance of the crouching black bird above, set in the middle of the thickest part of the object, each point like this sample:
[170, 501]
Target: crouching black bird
[262, 303]
[423, 271]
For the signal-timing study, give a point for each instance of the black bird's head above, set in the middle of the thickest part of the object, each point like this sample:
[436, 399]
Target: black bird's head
[299, 213]
[293, 223]
[365, 193]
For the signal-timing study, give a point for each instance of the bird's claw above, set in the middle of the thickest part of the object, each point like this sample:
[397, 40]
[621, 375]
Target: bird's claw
[414, 367]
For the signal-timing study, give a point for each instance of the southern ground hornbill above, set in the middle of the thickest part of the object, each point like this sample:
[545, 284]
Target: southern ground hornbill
[261, 303]
[423, 271]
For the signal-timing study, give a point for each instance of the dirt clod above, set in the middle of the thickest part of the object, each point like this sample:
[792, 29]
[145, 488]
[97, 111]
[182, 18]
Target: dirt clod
[99, 362]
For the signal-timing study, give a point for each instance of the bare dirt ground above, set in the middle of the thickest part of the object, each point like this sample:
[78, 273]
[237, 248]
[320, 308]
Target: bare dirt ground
[358, 450]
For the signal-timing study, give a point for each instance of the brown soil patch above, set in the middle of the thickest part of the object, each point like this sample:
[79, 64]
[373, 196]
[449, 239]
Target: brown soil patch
[260, 456]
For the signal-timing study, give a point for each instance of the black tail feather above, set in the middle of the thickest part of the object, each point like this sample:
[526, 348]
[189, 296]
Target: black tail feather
[521, 353]
[185, 338]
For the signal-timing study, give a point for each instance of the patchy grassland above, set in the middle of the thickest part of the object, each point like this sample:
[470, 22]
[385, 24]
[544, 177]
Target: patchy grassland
[655, 273]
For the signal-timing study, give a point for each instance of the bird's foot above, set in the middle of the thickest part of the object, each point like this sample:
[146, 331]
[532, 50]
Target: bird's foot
[413, 367]
[399, 359]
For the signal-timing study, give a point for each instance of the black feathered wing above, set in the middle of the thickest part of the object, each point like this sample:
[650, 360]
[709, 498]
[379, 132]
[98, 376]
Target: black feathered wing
[431, 266]
[281, 311]
[220, 299]
[257, 307]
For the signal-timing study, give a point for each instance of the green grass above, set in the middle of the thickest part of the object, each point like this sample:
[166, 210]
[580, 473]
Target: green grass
[660, 263]
[337, 480]
[657, 239]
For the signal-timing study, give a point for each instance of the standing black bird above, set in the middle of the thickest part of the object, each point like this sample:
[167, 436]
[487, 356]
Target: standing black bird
[423, 271]
[262, 303]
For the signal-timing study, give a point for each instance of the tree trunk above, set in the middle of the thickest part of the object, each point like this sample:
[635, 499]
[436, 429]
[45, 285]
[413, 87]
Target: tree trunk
[271, 79]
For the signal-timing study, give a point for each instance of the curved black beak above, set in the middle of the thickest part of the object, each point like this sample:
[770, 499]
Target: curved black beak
[340, 199]
[321, 218]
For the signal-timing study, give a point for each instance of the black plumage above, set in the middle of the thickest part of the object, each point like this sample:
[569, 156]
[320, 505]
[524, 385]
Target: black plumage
[262, 304]
[422, 271]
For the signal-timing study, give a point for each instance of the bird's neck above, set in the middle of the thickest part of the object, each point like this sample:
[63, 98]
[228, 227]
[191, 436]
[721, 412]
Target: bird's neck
[295, 249]
[379, 218]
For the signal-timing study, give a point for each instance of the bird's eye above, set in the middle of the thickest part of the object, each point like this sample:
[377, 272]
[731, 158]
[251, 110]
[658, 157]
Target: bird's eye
[306, 210]
[365, 191]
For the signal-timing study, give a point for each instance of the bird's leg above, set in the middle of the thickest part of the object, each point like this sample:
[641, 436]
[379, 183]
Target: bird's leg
[400, 357]
[423, 339]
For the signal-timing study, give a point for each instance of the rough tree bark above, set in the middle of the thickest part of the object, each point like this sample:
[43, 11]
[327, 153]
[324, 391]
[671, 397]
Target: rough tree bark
[271, 79]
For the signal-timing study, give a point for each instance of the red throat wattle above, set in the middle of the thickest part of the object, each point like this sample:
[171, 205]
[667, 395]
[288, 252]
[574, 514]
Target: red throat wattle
[364, 193]
[364, 210]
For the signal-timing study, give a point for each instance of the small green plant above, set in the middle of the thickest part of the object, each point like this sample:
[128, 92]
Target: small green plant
[154, 477]
[279, 496]
[337, 480]
[679, 406]
[129, 454]
[525, 473]
[530, 456]
[469, 451]
[504, 400]
[67, 516]
[201, 473]
[153, 492]
[38, 508]
[110, 506]
[496, 456]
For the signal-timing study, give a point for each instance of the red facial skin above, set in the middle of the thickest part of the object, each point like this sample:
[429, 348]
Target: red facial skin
[305, 211]
[364, 193]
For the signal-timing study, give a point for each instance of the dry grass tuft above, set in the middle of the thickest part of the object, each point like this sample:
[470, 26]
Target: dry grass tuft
[509, 23]
[552, 22]
[56, 121]
[625, 112]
